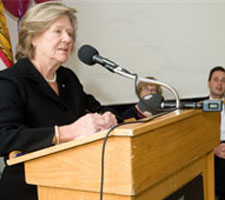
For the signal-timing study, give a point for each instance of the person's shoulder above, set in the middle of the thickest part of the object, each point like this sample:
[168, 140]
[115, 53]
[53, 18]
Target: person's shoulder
[9, 79]
[13, 70]
[8, 73]
[203, 98]
[14, 74]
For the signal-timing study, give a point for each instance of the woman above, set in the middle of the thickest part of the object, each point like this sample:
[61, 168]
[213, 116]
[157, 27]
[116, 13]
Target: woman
[41, 102]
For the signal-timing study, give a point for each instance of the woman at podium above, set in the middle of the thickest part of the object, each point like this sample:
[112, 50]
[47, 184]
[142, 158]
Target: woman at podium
[43, 103]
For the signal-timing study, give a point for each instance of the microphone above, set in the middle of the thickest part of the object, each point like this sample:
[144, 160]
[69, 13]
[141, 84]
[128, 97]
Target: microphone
[186, 105]
[150, 103]
[90, 56]
[155, 103]
[206, 105]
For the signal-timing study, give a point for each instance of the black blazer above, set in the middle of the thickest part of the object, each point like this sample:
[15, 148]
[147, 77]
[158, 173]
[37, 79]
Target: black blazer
[29, 109]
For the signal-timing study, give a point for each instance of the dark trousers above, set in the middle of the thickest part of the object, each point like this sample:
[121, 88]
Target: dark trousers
[13, 186]
[220, 177]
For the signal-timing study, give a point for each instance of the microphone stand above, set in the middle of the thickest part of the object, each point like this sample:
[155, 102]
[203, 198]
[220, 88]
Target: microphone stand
[127, 74]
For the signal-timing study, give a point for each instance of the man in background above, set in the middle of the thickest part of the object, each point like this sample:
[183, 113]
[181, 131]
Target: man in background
[216, 85]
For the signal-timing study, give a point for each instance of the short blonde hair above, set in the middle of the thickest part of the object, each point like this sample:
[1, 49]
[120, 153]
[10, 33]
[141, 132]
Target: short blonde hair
[37, 20]
[141, 85]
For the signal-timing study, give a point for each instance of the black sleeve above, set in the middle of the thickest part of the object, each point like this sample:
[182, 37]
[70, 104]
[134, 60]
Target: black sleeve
[14, 134]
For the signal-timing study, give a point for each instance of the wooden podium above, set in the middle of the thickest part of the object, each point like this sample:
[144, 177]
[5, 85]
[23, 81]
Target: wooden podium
[146, 161]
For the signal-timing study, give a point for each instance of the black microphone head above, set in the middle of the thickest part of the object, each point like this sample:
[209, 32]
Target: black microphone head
[150, 103]
[86, 53]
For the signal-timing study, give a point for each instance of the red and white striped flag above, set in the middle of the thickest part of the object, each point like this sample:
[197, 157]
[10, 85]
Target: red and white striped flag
[6, 56]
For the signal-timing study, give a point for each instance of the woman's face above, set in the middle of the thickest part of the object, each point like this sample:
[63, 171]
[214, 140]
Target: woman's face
[148, 89]
[56, 43]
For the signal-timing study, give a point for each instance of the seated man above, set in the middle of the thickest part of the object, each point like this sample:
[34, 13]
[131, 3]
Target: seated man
[143, 89]
[216, 85]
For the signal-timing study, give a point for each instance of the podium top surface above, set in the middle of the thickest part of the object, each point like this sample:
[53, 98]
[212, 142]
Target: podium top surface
[128, 130]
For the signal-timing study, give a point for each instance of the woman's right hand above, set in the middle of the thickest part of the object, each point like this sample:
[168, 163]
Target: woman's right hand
[84, 126]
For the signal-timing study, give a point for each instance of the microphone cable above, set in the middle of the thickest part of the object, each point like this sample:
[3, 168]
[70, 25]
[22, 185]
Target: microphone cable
[107, 136]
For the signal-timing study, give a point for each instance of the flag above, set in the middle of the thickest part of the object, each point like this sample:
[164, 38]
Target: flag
[5, 46]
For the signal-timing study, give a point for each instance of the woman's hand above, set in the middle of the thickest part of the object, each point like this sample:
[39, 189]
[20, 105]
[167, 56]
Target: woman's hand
[109, 120]
[86, 125]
